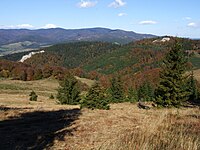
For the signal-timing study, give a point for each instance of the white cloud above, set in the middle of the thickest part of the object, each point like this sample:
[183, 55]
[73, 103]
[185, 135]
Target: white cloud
[122, 14]
[147, 22]
[47, 26]
[193, 25]
[86, 4]
[117, 3]
[7, 27]
[26, 26]
[20, 26]
[187, 18]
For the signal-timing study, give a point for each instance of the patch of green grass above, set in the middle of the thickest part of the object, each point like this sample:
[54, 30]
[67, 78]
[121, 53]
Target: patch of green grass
[11, 87]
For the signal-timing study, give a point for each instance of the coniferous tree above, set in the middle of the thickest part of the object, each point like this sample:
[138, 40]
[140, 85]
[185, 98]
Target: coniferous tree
[171, 90]
[116, 90]
[132, 95]
[95, 98]
[146, 92]
[192, 89]
[68, 92]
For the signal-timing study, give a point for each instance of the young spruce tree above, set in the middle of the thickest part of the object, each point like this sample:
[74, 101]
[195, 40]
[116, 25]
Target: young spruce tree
[172, 91]
[132, 95]
[95, 98]
[68, 92]
[192, 89]
[116, 90]
[146, 92]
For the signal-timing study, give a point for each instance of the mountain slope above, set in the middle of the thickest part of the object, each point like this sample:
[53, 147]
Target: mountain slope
[108, 58]
[135, 62]
[139, 55]
[43, 37]
[72, 55]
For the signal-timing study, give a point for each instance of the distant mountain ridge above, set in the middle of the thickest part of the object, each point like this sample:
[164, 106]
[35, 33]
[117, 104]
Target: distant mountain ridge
[59, 35]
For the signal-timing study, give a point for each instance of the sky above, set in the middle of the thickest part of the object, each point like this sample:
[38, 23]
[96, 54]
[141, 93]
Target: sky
[159, 17]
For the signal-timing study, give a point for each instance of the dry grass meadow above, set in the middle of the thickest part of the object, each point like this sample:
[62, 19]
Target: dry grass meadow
[46, 125]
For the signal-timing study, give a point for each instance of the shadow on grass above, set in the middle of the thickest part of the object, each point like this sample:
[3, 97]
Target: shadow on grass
[36, 130]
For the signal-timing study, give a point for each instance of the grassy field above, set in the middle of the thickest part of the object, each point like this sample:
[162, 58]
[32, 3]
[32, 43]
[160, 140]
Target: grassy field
[46, 125]
[14, 92]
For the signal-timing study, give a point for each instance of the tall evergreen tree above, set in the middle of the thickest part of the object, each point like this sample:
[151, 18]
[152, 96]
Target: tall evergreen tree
[116, 90]
[95, 98]
[68, 92]
[171, 91]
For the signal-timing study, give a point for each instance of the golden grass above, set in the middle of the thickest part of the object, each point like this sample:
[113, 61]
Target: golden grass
[43, 87]
[123, 127]
[86, 81]
[197, 74]
[171, 130]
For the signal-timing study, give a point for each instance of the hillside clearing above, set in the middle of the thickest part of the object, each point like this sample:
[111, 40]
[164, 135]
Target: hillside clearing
[123, 127]
[44, 124]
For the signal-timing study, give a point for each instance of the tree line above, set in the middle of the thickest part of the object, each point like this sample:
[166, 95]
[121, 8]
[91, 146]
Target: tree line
[26, 72]
[174, 89]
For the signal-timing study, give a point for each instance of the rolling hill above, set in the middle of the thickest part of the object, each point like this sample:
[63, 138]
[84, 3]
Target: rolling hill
[108, 58]
[136, 62]
[22, 39]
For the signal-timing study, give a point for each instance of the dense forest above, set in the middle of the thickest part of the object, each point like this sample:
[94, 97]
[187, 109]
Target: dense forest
[136, 62]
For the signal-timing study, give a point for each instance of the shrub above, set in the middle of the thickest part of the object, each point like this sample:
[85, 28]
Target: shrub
[33, 96]
[51, 96]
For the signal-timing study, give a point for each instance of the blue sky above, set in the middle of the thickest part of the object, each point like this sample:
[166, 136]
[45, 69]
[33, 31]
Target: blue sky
[159, 17]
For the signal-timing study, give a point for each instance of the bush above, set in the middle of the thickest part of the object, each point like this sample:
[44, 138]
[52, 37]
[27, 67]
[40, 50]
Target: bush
[96, 98]
[51, 96]
[33, 96]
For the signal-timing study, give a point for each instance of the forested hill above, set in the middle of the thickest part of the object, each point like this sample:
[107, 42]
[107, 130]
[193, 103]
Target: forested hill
[135, 62]
[108, 58]
[69, 55]
[143, 54]
[22, 39]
